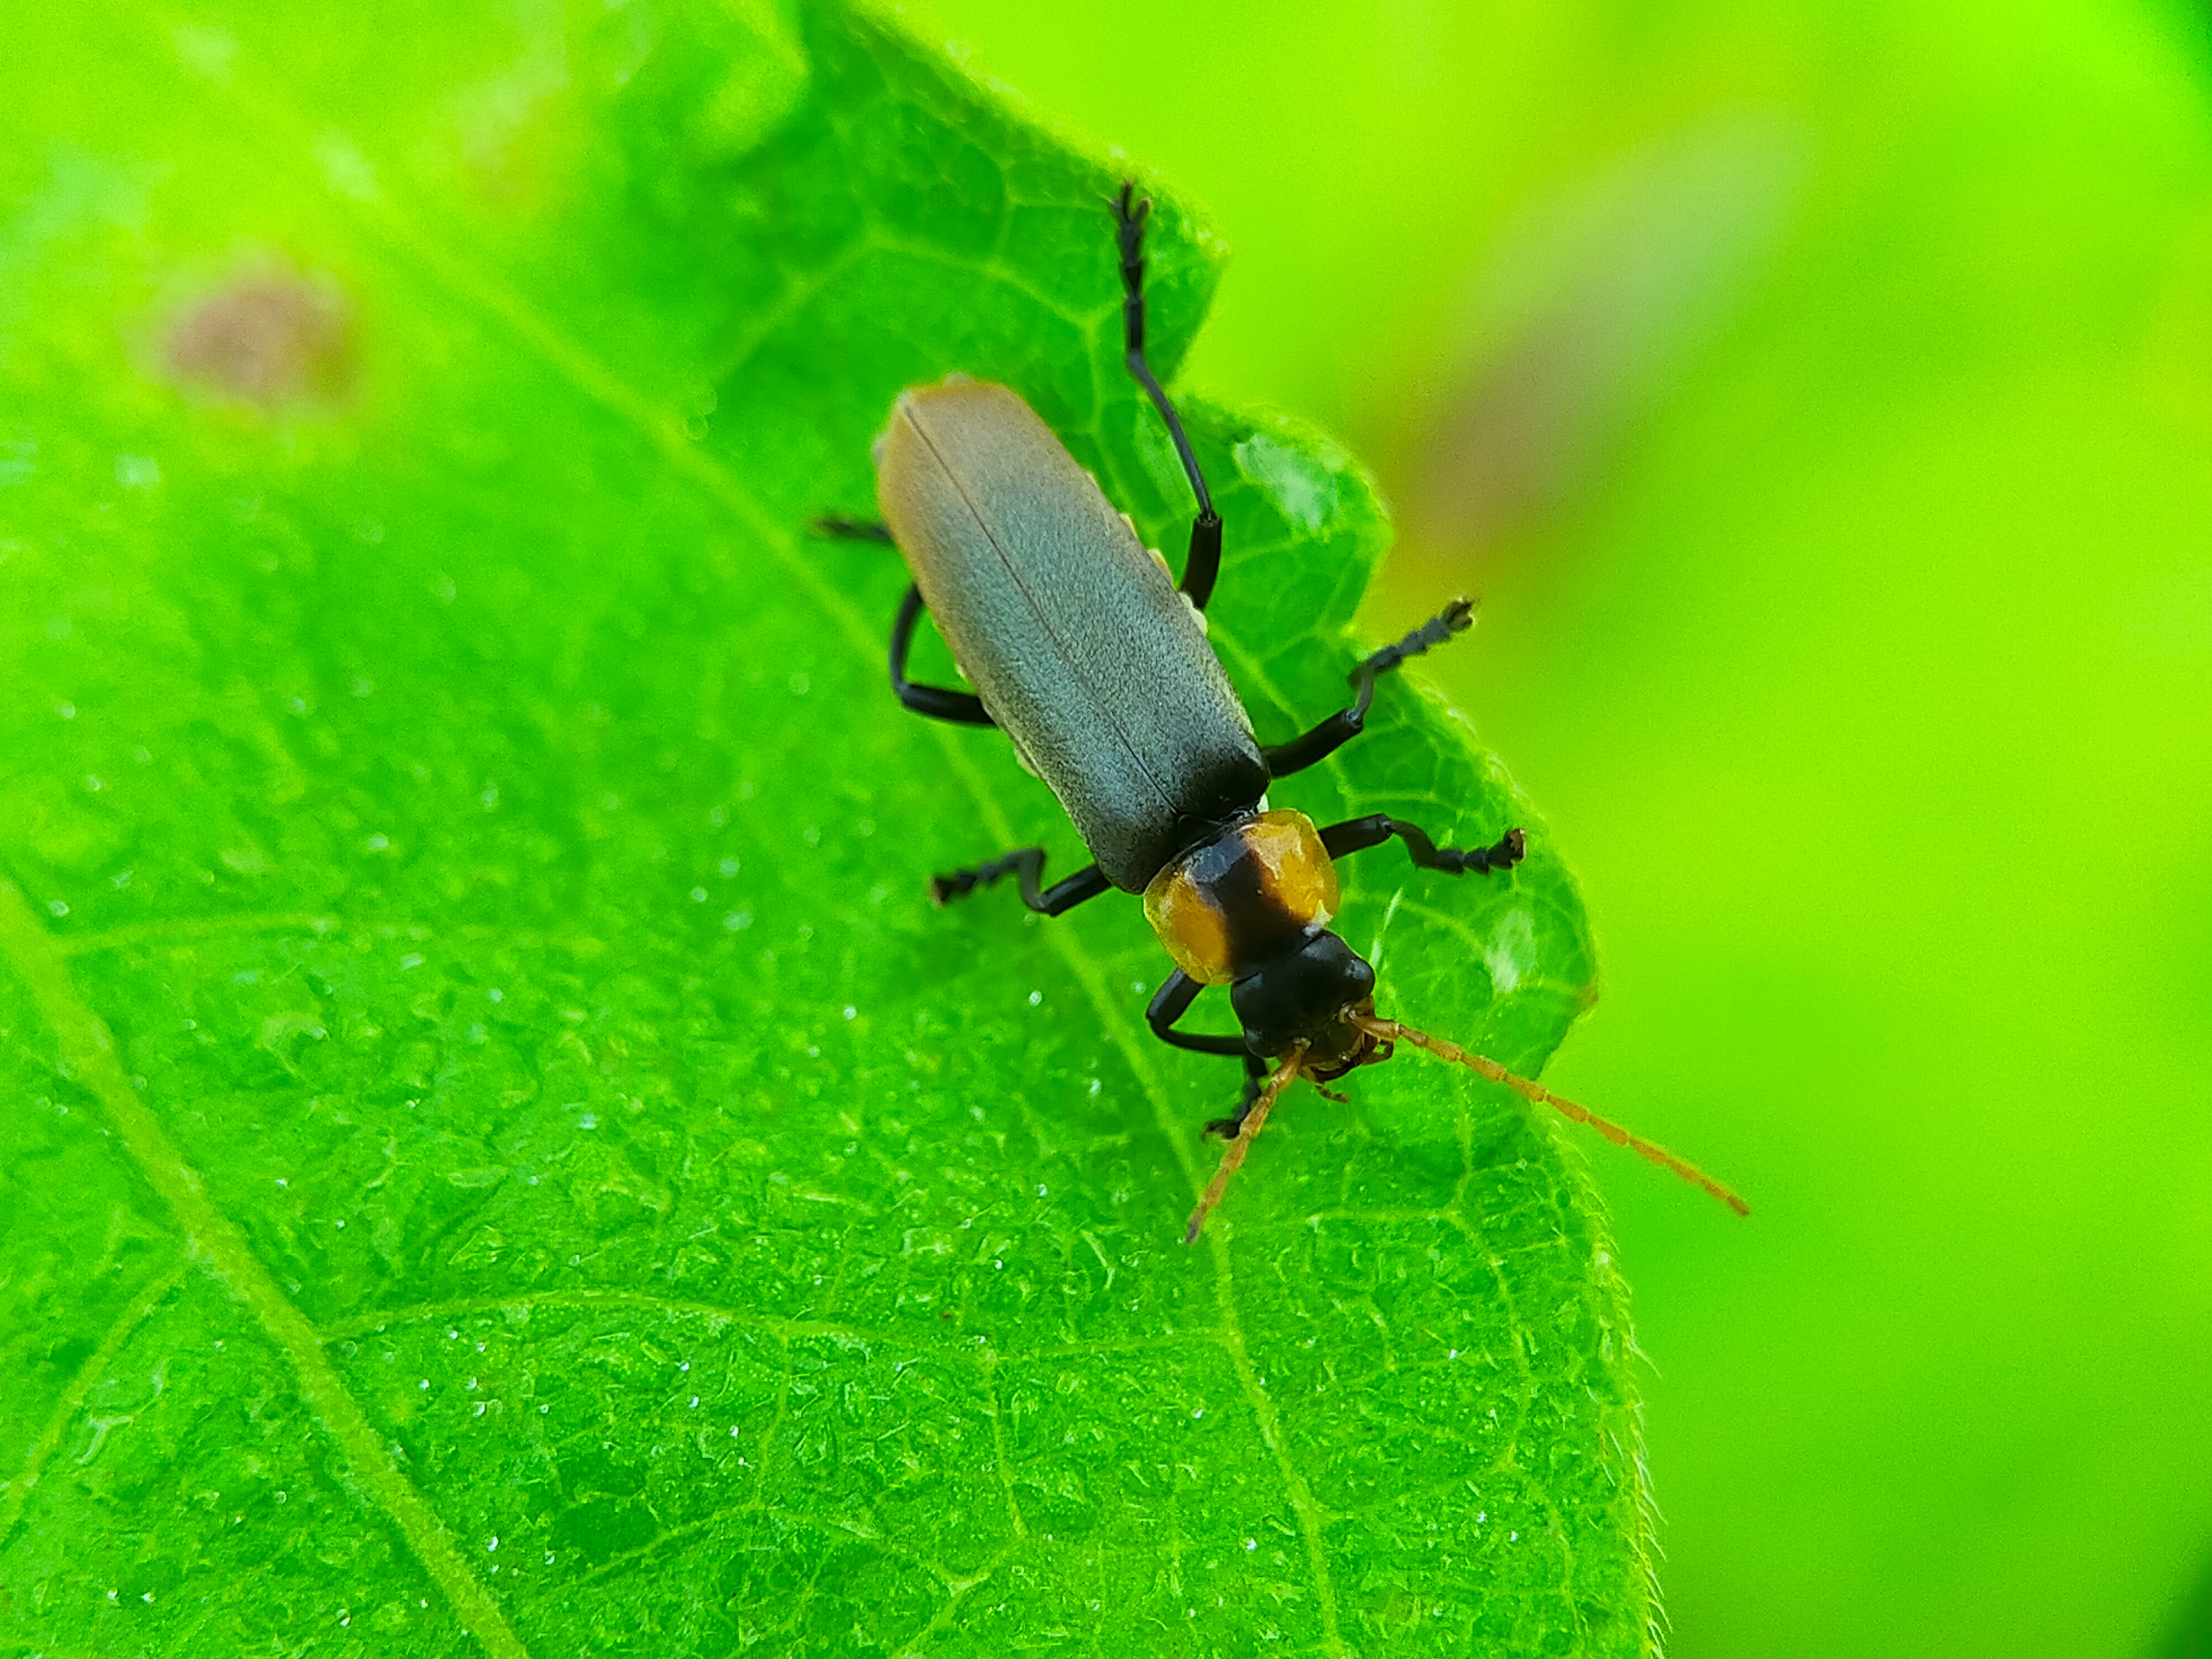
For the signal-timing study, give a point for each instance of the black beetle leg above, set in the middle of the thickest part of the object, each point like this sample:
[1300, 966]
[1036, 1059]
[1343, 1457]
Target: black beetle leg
[1339, 728]
[1203, 567]
[1027, 863]
[1357, 835]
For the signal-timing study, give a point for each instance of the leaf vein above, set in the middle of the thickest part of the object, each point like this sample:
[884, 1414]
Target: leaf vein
[72, 1398]
[88, 1048]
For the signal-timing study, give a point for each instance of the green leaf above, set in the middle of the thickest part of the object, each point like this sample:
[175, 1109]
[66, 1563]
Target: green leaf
[500, 1154]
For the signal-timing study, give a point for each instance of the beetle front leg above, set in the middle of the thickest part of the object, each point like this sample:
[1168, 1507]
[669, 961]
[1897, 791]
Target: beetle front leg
[1203, 567]
[1170, 1004]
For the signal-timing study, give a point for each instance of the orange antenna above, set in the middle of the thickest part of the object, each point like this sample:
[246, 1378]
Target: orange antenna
[1233, 1159]
[1390, 1030]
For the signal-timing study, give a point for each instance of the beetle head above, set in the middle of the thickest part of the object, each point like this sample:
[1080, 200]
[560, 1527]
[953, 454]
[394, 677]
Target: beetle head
[1310, 996]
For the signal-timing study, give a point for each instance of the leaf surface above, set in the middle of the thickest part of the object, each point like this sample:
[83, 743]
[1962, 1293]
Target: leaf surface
[501, 1156]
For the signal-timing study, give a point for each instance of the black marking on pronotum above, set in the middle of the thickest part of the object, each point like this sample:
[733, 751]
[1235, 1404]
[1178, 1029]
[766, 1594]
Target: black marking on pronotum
[1085, 654]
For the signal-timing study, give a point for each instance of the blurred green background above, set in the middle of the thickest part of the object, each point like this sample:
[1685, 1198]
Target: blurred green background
[1821, 400]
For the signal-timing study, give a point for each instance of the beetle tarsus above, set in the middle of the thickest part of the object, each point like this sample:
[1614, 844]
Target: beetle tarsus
[1358, 834]
[1129, 217]
[1342, 727]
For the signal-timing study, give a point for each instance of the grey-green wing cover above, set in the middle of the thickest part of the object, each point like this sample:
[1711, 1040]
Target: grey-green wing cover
[1072, 635]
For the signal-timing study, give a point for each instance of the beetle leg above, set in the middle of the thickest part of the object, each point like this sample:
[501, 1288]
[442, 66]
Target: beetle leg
[1339, 728]
[961, 707]
[1357, 835]
[1028, 863]
[1256, 1074]
[1170, 1004]
[1204, 565]
[837, 527]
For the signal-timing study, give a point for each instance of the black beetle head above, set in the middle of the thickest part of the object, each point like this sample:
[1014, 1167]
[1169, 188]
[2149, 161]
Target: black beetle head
[1306, 997]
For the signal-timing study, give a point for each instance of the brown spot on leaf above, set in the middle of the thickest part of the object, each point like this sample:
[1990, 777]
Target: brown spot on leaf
[269, 338]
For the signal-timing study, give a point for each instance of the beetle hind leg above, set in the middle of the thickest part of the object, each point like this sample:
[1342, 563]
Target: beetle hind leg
[1203, 567]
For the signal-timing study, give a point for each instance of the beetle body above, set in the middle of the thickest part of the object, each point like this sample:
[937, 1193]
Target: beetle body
[1095, 664]
[1099, 672]
[1072, 635]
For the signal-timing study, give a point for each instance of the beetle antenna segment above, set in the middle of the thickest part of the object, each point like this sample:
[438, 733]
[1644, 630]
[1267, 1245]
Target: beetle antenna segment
[1233, 1158]
[1389, 1029]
